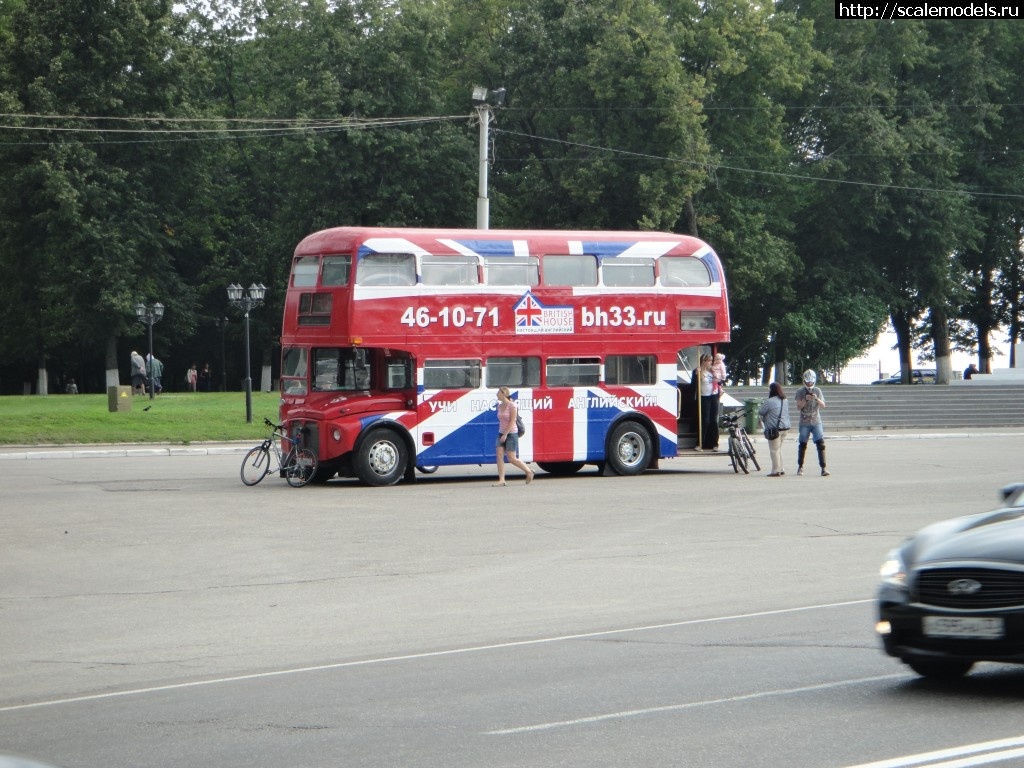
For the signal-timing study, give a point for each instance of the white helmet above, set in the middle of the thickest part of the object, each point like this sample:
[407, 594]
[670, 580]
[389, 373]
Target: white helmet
[810, 378]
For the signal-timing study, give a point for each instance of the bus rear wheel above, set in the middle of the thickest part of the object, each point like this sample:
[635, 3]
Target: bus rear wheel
[629, 449]
[382, 458]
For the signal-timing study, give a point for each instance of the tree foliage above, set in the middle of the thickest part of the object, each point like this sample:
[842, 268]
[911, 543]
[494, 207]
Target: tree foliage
[848, 173]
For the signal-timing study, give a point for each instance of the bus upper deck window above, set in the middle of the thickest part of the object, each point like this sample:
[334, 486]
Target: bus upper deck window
[628, 272]
[450, 270]
[386, 269]
[570, 270]
[512, 270]
[336, 271]
[304, 271]
[684, 272]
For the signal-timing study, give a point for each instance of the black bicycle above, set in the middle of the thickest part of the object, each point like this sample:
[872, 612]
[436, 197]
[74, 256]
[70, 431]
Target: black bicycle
[297, 466]
[741, 450]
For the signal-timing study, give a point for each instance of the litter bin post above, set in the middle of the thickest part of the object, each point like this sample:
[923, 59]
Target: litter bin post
[119, 399]
[750, 408]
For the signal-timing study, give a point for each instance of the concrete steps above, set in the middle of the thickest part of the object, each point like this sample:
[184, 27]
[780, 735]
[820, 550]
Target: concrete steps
[916, 406]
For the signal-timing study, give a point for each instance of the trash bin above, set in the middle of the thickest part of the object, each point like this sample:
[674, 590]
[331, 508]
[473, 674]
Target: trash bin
[750, 408]
[119, 399]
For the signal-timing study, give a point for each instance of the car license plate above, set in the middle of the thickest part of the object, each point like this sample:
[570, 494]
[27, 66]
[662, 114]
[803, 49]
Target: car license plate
[963, 626]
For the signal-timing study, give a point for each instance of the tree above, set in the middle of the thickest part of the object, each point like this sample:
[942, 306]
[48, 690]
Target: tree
[83, 236]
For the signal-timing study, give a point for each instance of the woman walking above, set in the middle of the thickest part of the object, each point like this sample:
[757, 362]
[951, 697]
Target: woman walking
[508, 437]
[774, 415]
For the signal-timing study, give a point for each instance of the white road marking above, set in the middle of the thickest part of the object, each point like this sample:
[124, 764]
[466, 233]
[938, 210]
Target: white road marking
[426, 655]
[997, 751]
[688, 705]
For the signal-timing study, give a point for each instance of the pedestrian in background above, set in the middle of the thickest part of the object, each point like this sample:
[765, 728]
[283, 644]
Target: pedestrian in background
[774, 415]
[192, 377]
[138, 368]
[155, 369]
[205, 378]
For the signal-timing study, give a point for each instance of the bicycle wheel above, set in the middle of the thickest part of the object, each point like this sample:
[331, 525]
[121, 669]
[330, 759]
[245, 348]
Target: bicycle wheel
[300, 467]
[255, 465]
[750, 452]
[739, 459]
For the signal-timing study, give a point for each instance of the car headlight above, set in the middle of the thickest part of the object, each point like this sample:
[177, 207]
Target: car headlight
[894, 569]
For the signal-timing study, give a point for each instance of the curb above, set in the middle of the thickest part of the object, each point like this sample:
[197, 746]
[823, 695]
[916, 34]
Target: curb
[26, 453]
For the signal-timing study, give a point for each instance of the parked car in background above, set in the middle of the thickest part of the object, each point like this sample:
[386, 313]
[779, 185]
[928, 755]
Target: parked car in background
[953, 593]
[917, 376]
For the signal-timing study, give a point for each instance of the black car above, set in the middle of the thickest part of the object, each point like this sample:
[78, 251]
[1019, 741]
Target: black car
[917, 376]
[953, 593]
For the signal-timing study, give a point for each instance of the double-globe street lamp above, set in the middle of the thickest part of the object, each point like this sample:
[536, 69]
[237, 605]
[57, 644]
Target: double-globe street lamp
[150, 315]
[246, 300]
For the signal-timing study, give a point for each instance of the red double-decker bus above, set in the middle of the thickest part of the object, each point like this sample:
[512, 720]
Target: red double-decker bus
[395, 342]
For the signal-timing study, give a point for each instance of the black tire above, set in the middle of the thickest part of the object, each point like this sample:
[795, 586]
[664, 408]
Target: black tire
[561, 468]
[940, 669]
[629, 449]
[255, 465]
[323, 474]
[428, 470]
[300, 467]
[751, 453]
[382, 458]
[739, 455]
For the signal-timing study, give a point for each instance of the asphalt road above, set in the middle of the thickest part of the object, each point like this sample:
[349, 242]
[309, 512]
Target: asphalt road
[156, 612]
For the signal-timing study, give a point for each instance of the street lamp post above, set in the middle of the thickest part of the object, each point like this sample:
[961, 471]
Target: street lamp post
[150, 315]
[481, 102]
[247, 300]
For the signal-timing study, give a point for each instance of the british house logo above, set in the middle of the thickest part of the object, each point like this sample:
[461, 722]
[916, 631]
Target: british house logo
[533, 317]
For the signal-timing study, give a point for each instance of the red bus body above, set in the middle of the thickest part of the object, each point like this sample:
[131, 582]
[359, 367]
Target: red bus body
[396, 340]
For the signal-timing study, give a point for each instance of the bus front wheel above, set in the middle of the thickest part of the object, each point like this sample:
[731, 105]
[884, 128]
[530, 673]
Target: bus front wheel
[629, 449]
[382, 458]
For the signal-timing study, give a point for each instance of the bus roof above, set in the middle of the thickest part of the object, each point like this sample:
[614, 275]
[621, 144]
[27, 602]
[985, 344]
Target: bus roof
[346, 239]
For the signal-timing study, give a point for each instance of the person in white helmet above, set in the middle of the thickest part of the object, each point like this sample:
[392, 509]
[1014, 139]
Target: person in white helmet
[810, 401]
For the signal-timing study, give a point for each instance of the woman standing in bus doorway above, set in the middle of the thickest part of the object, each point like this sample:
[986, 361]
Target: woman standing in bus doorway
[708, 405]
[508, 437]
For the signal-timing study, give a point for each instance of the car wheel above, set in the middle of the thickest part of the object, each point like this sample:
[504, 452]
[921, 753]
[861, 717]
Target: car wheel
[940, 669]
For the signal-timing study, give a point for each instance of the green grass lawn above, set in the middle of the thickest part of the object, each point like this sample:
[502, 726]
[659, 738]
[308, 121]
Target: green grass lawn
[178, 418]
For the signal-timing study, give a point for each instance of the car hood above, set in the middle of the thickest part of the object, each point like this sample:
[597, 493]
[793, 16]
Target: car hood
[997, 535]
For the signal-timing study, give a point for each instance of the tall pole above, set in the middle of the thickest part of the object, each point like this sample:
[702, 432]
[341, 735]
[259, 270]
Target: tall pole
[223, 356]
[483, 212]
[248, 378]
[152, 386]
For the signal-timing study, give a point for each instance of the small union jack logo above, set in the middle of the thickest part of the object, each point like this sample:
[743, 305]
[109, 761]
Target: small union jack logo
[528, 311]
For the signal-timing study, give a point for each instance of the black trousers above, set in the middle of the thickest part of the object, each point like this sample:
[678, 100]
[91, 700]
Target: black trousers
[709, 421]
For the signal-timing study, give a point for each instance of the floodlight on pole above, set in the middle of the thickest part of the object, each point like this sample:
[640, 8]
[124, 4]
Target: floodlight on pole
[483, 101]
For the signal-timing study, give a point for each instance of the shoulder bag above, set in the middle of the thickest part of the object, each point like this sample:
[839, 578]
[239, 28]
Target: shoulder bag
[772, 433]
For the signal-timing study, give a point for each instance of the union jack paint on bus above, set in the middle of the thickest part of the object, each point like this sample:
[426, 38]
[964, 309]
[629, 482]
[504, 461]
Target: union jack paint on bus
[395, 342]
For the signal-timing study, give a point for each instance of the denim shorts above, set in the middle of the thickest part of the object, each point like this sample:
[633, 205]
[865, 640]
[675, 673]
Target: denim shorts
[511, 443]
